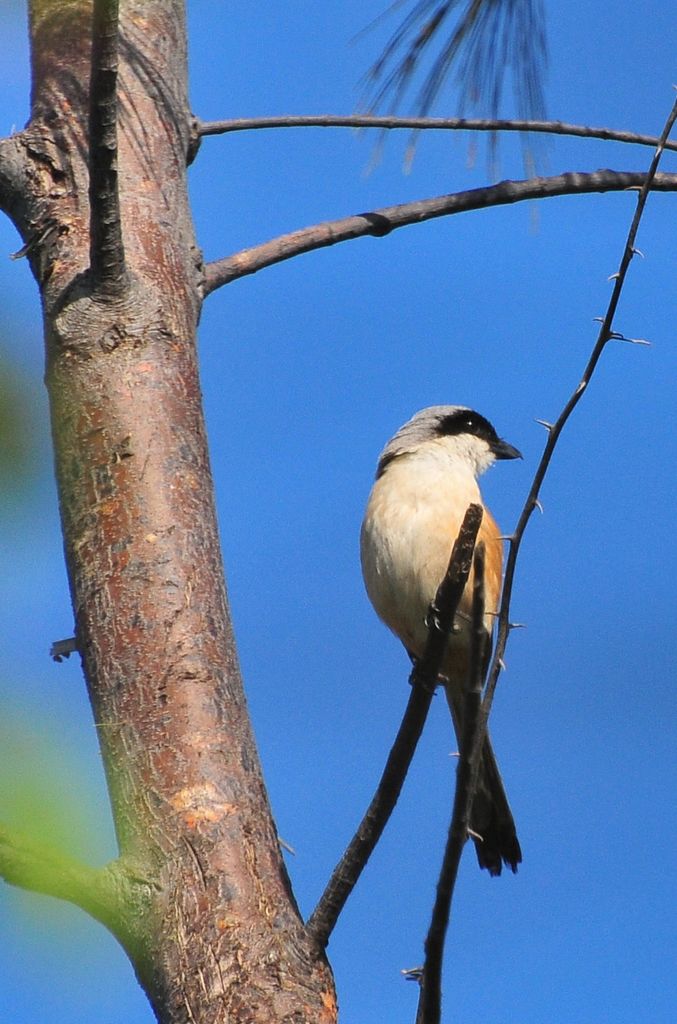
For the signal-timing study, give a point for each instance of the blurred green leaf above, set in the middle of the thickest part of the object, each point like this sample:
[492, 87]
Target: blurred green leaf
[18, 451]
[43, 792]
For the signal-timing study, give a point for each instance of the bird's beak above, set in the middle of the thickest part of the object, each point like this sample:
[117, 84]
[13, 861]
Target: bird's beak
[503, 450]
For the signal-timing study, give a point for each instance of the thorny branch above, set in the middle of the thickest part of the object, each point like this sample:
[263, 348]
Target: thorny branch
[423, 682]
[606, 334]
[477, 711]
[381, 222]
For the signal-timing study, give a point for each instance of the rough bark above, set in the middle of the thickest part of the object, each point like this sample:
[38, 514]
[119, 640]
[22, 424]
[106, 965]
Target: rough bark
[205, 910]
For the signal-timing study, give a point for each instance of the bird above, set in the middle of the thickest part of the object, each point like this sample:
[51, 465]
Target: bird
[426, 478]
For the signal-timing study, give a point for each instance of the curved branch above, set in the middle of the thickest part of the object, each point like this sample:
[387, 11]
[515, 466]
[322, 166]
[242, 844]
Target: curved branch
[416, 124]
[106, 252]
[606, 334]
[423, 682]
[383, 221]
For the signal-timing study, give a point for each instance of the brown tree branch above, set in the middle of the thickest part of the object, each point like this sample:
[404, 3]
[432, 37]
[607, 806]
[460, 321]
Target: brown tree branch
[423, 680]
[417, 124]
[430, 997]
[216, 932]
[383, 221]
[606, 334]
[106, 249]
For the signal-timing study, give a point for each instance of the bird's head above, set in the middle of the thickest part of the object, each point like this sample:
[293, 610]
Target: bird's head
[455, 432]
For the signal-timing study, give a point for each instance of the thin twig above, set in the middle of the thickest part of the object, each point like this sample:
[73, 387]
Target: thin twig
[469, 124]
[430, 997]
[106, 250]
[424, 680]
[383, 221]
[554, 430]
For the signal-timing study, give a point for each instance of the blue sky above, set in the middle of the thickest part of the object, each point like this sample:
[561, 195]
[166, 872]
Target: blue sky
[308, 368]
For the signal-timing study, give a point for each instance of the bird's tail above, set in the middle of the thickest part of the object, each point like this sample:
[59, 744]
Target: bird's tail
[491, 820]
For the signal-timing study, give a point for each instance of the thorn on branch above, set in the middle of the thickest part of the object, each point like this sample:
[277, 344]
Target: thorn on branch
[545, 423]
[617, 336]
[61, 649]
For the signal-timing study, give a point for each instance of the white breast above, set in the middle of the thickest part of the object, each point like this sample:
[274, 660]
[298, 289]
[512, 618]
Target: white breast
[413, 517]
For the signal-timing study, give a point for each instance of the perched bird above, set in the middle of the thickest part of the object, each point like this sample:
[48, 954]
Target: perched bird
[425, 480]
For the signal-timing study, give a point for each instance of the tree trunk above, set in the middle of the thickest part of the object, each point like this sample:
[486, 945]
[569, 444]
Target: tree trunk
[202, 900]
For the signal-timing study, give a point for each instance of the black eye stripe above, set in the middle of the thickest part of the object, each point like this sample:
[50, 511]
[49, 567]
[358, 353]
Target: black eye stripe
[466, 422]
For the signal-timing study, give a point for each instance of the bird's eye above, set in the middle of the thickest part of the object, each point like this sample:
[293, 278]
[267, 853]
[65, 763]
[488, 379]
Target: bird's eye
[463, 422]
